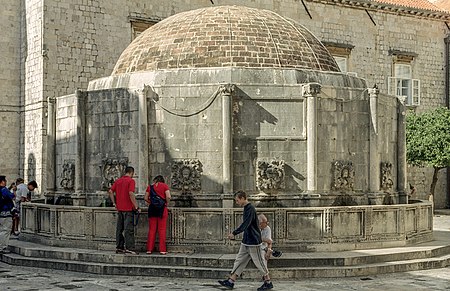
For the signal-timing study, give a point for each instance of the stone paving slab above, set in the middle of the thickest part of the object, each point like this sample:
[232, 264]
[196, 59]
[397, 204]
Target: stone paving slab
[25, 278]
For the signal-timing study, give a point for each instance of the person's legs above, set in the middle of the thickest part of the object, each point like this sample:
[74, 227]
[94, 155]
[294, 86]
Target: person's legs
[129, 230]
[16, 226]
[162, 224]
[5, 232]
[257, 255]
[13, 225]
[152, 224]
[120, 241]
[241, 261]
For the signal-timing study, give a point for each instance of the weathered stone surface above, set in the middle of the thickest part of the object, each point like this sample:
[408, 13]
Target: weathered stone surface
[225, 36]
[293, 229]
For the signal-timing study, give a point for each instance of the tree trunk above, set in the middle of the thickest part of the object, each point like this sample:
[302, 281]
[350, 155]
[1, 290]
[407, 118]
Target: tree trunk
[434, 181]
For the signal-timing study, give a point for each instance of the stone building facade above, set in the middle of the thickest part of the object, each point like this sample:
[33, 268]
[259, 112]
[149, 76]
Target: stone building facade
[52, 48]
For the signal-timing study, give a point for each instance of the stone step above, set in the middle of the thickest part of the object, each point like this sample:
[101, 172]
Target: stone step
[115, 268]
[217, 273]
[318, 259]
[435, 254]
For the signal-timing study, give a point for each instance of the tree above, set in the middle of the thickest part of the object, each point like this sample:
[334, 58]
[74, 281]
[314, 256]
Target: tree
[428, 140]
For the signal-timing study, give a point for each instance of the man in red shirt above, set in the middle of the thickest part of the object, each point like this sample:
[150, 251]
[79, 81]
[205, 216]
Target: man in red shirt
[126, 204]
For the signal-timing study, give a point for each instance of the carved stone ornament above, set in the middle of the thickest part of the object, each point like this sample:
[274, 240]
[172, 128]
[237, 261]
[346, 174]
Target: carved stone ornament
[344, 175]
[311, 89]
[226, 89]
[112, 169]
[387, 182]
[68, 175]
[270, 175]
[186, 175]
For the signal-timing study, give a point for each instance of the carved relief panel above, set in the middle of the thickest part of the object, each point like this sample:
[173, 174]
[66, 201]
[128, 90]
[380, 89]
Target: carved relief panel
[186, 175]
[68, 175]
[270, 175]
[344, 175]
[112, 169]
[387, 182]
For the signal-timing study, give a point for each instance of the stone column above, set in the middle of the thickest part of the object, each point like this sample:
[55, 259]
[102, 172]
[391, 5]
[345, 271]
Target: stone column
[374, 155]
[51, 142]
[401, 152]
[227, 150]
[143, 140]
[79, 197]
[310, 92]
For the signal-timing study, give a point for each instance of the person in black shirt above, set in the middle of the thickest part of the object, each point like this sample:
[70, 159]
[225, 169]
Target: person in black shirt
[250, 245]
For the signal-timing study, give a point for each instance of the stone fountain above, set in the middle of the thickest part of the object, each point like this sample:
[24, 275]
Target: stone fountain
[232, 98]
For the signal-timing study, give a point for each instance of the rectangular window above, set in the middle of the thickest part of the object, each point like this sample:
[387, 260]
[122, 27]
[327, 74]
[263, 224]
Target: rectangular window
[402, 84]
[140, 24]
[342, 63]
[341, 54]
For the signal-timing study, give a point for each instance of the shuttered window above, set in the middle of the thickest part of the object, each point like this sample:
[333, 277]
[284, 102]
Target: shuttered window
[402, 84]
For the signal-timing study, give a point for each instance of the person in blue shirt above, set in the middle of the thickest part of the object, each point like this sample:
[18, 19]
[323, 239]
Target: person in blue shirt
[6, 205]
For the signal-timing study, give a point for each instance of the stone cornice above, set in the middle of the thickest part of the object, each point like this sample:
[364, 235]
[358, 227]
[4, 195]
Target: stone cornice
[388, 8]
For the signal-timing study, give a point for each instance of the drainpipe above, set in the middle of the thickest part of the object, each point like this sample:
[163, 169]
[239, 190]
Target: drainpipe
[447, 101]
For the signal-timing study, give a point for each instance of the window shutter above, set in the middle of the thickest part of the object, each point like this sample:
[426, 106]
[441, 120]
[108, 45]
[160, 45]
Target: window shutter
[415, 92]
[392, 86]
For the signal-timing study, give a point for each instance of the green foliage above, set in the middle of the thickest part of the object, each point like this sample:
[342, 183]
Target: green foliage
[428, 138]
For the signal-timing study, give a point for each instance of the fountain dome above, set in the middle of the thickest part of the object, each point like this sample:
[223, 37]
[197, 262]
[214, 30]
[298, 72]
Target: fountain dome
[225, 36]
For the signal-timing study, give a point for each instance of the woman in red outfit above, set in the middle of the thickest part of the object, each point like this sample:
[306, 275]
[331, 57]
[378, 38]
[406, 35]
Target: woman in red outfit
[155, 222]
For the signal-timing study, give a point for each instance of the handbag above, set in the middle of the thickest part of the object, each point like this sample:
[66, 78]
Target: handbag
[157, 204]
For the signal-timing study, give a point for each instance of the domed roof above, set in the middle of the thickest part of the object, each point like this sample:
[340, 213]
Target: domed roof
[225, 36]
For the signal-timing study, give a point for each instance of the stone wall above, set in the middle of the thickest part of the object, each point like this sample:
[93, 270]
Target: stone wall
[108, 143]
[66, 132]
[34, 91]
[10, 97]
[65, 45]
[293, 229]
[269, 133]
[112, 137]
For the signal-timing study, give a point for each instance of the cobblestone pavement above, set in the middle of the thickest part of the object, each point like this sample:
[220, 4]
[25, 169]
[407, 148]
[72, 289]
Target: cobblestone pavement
[25, 278]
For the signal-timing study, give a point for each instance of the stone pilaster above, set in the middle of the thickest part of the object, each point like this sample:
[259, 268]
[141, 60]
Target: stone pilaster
[401, 152]
[310, 92]
[227, 150]
[79, 197]
[143, 141]
[51, 145]
[374, 155]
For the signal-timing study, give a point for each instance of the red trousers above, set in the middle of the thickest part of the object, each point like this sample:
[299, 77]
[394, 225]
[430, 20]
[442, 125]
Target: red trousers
[157, 224]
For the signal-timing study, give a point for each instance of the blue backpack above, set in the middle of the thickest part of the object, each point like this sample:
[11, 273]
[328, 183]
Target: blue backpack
[155, 199]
